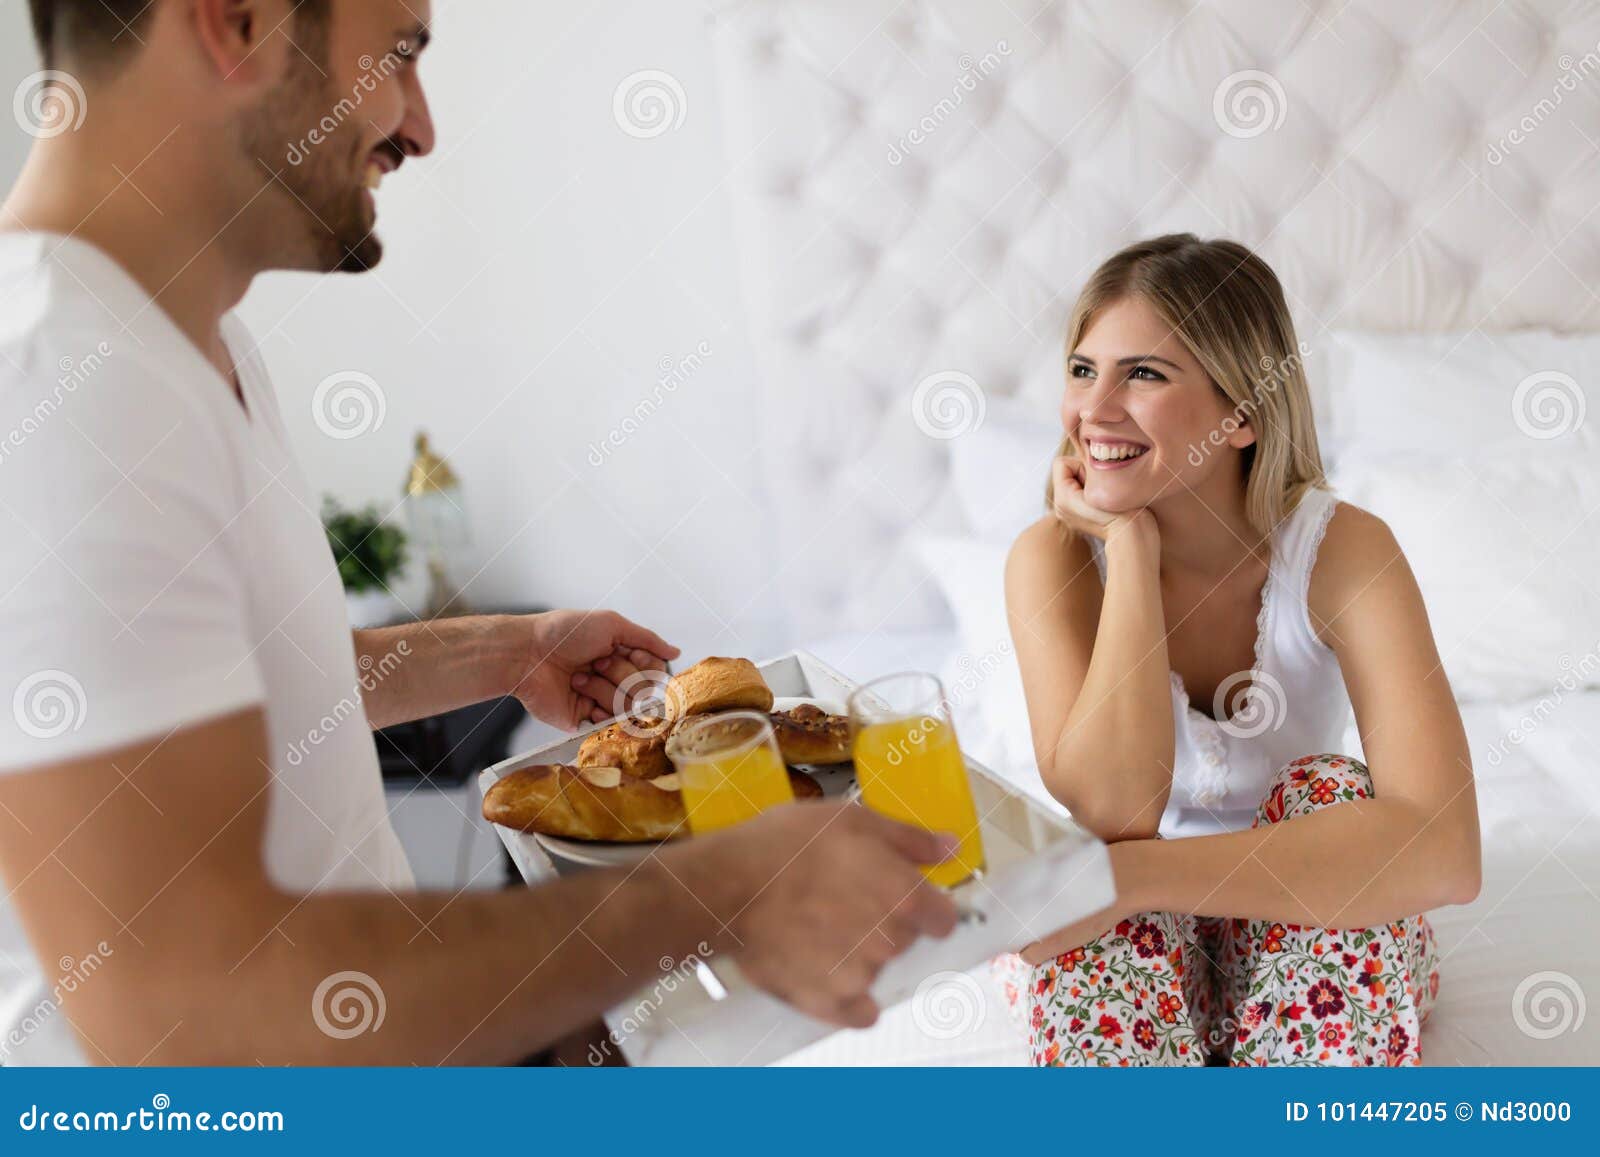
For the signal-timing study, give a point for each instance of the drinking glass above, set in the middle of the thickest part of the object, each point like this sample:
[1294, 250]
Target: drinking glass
[729, 769]
[909, 765]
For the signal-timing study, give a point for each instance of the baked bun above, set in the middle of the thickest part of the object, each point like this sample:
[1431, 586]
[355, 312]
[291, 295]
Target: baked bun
[635, 743]
[808, 734]
[717, 684]
[589, 803]
[599, 803]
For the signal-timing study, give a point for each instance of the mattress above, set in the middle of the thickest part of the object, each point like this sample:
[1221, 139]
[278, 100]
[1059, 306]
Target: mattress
[1516, 964]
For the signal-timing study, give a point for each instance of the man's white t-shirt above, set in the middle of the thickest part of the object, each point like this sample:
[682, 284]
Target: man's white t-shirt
[163, 564]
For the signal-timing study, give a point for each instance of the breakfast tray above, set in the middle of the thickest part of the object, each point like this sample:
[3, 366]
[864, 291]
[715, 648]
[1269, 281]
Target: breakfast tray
[1042, 873]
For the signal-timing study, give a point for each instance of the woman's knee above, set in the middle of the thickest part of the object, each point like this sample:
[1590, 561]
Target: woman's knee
[1313, 782]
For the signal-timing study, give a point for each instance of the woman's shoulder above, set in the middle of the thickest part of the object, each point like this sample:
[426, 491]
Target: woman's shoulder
[1357, 550]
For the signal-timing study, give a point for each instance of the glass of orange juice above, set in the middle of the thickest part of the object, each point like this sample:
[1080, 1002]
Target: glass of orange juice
[729, 768]
[909, 766]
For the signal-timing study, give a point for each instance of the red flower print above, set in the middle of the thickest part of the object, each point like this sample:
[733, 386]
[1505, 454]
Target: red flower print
[1144, 1034]
[1110, 1027]
[1051, 1053]
[1123, 926]
[1325, 998]
[1302, 762]
[1148, 940]
[1331, 1035]
[1369, 978]
[1399, 1042]
[1274, 938]
[1075, 1025]
[1167, 1006]
[1070, 960]
[1038, 1017]
[1050, 1033]
[1350, 959]
[1272, 809]
[1323, 790]
[1290, 1012]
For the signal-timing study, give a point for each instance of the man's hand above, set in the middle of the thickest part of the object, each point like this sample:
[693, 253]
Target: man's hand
[819, 897]
[579, 667]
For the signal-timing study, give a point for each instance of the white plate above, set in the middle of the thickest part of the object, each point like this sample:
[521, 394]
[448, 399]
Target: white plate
[836, 781]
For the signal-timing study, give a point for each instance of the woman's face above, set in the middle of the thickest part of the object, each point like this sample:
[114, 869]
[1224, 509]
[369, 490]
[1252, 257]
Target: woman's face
[1148, 420]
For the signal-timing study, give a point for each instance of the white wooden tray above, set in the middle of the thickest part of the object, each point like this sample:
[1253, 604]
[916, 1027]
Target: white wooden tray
[1042, 873]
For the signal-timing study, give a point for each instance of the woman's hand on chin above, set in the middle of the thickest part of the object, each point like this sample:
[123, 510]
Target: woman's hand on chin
[1073, 511]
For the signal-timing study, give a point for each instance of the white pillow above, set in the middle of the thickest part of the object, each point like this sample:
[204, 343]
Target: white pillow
[1508, 572]
[999, 470]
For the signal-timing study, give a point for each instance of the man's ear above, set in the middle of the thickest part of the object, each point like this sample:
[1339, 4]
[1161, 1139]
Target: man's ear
[244, 40]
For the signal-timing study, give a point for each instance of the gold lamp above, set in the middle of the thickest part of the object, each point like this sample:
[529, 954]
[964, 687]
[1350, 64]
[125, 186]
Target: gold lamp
[438, 524]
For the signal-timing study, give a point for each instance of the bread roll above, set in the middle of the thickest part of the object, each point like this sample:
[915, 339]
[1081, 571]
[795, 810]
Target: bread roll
[599, 803]
[808, 734]
[637, 744]
[717, 684]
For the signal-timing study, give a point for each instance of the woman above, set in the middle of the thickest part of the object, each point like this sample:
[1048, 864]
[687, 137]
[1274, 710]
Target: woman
[1195, 618]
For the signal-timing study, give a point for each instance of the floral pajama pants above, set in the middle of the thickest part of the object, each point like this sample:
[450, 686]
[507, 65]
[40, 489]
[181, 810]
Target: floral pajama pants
[1166, 988]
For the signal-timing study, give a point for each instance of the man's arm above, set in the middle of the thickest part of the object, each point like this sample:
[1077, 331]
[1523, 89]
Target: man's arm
[567, 667]
[157, 849]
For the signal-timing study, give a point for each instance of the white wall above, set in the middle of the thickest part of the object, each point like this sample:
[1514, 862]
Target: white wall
[541, 268]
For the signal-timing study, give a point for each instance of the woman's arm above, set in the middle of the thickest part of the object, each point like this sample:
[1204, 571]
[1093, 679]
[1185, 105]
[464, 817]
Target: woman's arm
[1363, 862]
[1094, 671]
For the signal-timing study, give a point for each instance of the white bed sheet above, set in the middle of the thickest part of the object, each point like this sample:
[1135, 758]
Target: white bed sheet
[1518, 963]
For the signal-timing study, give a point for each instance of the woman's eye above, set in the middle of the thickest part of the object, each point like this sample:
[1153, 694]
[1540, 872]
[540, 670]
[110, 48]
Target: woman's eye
[1079, 370]
[1146, 374]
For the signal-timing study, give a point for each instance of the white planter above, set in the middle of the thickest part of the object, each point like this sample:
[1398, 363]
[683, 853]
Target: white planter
[373, 608]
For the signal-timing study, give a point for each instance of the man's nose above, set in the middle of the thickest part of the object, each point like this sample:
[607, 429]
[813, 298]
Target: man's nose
[415, 135]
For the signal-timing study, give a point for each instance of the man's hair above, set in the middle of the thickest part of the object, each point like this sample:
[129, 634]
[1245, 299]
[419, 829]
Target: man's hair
[96, 32]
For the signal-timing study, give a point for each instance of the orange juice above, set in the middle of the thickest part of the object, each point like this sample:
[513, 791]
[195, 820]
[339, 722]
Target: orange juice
[911, 770]
[728, 789]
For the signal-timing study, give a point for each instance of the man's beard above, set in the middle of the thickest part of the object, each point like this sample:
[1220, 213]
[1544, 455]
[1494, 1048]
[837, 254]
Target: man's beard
[322, 191]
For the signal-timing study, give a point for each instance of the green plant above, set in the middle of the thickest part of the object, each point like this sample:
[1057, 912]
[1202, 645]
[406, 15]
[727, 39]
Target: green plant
[369, 552]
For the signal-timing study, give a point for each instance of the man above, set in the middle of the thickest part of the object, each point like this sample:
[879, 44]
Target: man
[188, 792]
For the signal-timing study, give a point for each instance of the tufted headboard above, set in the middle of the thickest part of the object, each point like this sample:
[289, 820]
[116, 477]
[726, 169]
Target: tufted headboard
[922, 185]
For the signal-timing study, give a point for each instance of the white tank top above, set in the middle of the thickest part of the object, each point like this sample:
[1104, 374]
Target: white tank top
[1298, 704]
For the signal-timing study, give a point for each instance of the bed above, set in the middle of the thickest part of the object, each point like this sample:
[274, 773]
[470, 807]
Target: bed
[921, 185]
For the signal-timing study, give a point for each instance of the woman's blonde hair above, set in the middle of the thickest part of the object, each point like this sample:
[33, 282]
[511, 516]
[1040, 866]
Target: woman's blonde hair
[1226, 306]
